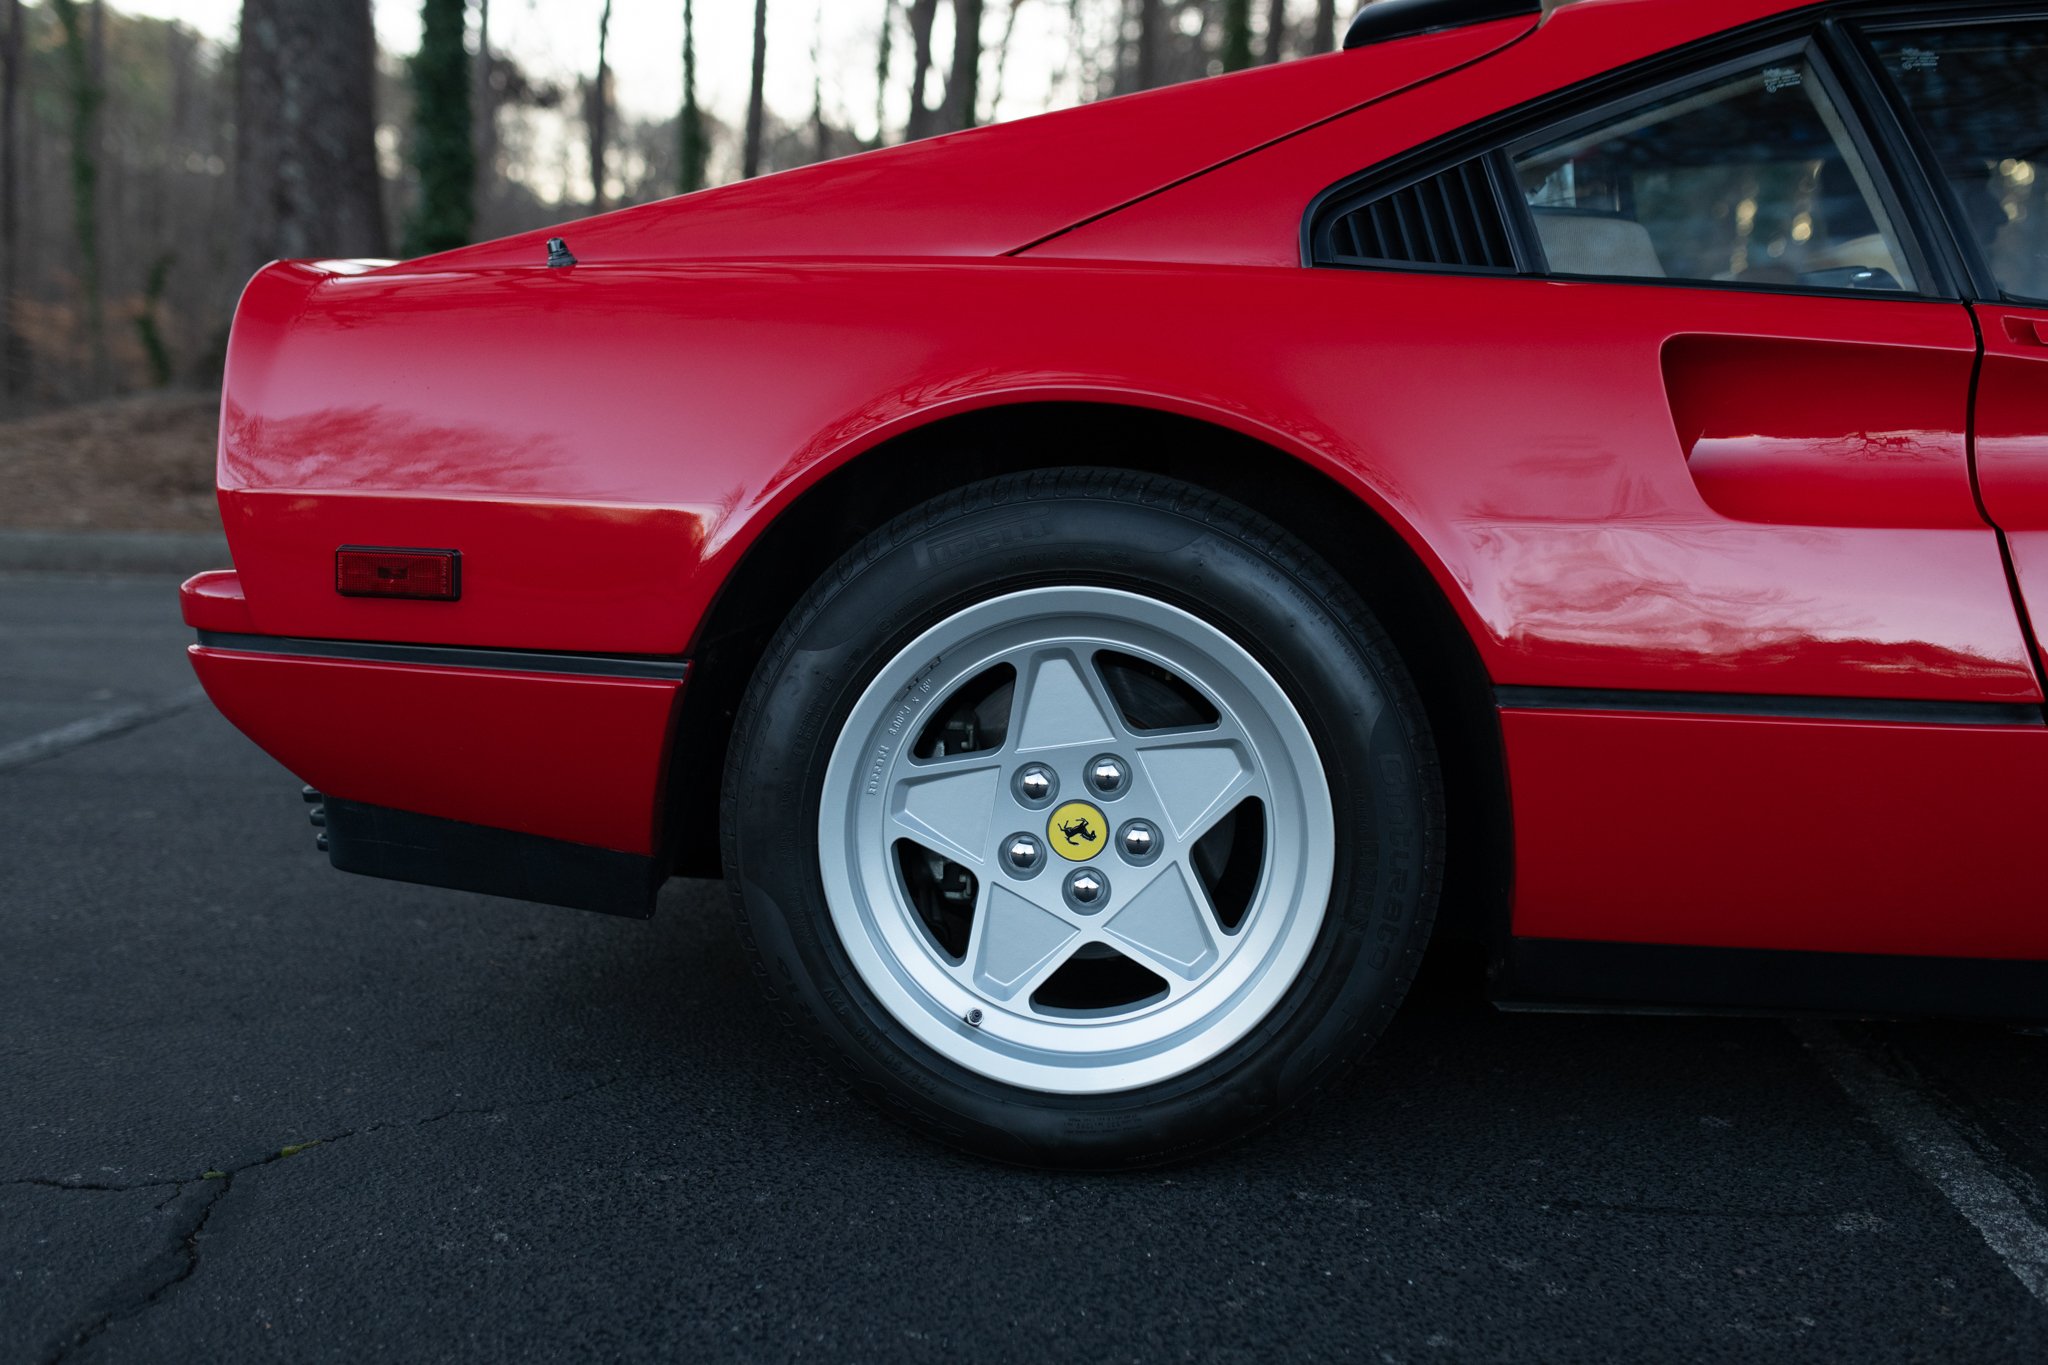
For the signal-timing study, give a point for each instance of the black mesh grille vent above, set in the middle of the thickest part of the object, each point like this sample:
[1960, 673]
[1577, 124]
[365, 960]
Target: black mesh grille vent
[1450, 219]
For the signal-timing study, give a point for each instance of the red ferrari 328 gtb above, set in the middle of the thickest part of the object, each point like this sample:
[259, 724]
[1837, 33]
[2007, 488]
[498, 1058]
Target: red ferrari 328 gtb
[1105, 589]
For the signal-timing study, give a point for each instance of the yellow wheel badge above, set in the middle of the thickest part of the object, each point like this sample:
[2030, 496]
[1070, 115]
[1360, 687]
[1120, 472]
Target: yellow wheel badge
[1077, 831]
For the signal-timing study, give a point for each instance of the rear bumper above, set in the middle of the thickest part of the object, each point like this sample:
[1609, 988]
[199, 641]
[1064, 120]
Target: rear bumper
[568, 748]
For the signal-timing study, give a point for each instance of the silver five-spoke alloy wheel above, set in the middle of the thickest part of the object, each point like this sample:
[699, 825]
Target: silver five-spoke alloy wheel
[1076, 840]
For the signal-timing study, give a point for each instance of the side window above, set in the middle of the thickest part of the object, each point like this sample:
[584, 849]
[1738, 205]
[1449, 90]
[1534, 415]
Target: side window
[1752, 180]
[1980, 94]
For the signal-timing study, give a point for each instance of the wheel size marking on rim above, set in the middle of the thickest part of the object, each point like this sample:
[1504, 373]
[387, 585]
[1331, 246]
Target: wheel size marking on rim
[1195, 842]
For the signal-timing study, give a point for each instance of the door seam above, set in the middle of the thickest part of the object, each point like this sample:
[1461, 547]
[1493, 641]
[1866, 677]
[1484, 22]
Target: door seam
[2012, 576]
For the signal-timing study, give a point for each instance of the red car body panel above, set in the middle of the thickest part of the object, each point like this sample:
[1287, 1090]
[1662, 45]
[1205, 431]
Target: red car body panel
[1596, 561]
[1732, 492]
[570, 758]
[1819, 836]
[213, 601]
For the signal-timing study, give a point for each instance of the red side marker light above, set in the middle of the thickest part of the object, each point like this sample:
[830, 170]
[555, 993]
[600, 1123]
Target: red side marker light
[422, 575]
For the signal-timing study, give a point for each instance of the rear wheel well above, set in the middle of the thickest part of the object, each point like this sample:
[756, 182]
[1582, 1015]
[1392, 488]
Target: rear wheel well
[867, 492]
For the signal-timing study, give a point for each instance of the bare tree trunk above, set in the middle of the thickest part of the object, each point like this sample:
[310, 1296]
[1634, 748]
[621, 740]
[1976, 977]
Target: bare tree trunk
[995, 103]
[85, 63]
[598, 109]
[486, 103]
[14, 360]
[884, 53]
[96, 324]
[821, 137]
[1151, 43]
[1276, 30]
[963, 86]
[1326, 27]
[757, 95]
[443, 132]
[923, 13]
[1237, 34]
[306, 181]
[1122, 80]
[694, 146]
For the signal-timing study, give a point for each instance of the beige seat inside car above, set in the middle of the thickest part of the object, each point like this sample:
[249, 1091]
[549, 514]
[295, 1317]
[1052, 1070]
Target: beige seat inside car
[1597, 244]
[2019, 260]
[1868, 252]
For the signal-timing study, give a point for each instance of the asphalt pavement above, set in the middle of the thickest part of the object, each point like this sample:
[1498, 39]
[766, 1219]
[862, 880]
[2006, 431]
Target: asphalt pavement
[254, 1109]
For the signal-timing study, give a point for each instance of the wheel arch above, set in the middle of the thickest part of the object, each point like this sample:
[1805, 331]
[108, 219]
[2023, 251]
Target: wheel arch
[865, 491]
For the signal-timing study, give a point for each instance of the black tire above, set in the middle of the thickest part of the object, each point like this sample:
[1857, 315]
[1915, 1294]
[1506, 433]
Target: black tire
[1208, 556]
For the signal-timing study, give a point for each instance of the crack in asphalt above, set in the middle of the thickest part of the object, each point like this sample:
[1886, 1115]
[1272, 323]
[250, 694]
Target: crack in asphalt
[179, 1261]
[46, 1183]
[157, 1276]
[1680, 1211]
[294, 1148]
[106, 725]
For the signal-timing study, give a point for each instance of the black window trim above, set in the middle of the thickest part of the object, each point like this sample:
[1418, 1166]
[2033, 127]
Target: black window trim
[1812, 35]
[1854, 33]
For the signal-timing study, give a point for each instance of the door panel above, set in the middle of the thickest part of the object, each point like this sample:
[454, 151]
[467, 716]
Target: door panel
[1695, 490]
[1805, 526]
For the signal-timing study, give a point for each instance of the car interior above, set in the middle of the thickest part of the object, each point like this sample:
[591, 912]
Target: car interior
[1978, 96]
[1751, 181]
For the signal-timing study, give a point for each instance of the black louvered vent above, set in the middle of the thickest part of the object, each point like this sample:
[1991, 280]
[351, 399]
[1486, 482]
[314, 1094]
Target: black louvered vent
[1450, 219]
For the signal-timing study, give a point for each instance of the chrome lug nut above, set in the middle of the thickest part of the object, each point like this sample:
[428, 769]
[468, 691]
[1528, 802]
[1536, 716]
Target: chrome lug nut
[1023, 855]
[1108, 776]
[1087, 890]
[1035, 784]
[1138, 841]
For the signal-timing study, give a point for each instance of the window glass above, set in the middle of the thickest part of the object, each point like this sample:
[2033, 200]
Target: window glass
[1751, 181]
[1981, 96]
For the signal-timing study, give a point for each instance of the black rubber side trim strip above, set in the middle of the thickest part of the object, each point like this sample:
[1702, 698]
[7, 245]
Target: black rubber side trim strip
[1784, 708]
[1570, 974]
[455, 656]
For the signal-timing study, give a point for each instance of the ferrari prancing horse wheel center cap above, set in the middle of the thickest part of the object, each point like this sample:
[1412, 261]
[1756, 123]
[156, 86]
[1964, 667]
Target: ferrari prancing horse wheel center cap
[1077, 831]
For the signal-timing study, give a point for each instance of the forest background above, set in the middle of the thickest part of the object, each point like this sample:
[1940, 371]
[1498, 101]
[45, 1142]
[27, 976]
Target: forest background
[150, 161]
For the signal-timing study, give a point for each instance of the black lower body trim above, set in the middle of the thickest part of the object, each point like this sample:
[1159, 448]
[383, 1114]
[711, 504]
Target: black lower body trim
[453, 656]
[377, 841]
[1569, 973]
[1748, 707]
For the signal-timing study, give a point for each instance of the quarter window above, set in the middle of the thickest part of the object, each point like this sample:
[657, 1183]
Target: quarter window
[1981, 97]
[1752, 180]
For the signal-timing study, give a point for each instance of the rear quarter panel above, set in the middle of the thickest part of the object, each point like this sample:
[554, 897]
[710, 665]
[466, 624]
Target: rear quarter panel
[603, 443]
